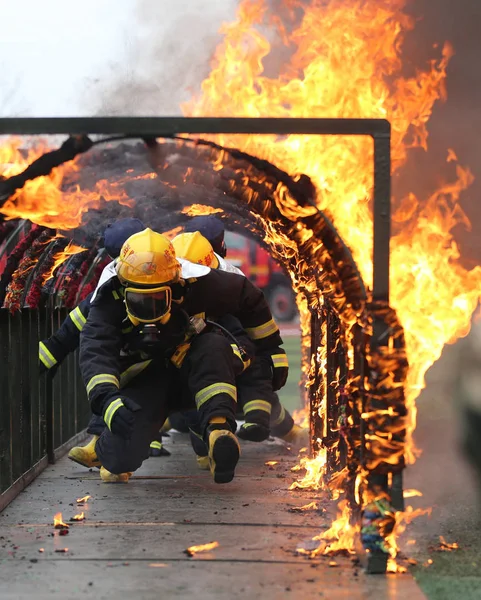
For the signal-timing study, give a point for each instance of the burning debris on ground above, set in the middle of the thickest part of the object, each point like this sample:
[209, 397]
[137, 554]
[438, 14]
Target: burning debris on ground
[193, 550]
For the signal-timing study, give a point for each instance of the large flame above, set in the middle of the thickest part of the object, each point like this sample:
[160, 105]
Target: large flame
[346, 62]
[42, 200]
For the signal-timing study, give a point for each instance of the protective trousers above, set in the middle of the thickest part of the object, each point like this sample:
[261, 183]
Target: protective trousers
[254, 387]
[151, 390]
[208, 373]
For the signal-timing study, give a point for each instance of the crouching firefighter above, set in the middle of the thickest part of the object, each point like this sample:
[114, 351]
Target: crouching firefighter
[136, 375]
[263, 375]
[54, 350]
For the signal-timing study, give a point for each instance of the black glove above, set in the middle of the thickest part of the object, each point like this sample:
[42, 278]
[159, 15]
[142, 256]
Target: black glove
[118, 415]
[42, 369]
[280, 368]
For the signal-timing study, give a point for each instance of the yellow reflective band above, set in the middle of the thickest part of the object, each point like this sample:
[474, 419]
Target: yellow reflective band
[246, 425]
[156, 445]
[46, 356]
[262, 331]
[132, 371]
[111, 410]
[77, 317]
[115, 294]
[212, 390]
[102, 378]
[236, 351]
[279, 360]
[257, 405]
[280, 418]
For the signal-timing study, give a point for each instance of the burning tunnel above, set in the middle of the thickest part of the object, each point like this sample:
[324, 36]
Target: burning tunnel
[353, 352]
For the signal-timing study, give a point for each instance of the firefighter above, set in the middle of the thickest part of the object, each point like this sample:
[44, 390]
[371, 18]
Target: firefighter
[54, 350]
[262, 417]
[256, 386]
[145, 348]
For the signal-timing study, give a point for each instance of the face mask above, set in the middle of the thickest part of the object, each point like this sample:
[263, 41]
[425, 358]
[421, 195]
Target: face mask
[148, 305]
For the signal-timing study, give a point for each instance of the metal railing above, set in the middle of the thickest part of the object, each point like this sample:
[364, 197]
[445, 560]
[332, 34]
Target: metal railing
[39, 416]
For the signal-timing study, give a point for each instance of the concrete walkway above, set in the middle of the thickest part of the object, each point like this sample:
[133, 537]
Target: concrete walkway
[132, 542]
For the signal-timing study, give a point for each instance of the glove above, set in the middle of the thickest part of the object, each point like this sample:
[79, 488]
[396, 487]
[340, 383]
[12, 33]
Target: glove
[280, 368]
[118, 415]
[42, 369]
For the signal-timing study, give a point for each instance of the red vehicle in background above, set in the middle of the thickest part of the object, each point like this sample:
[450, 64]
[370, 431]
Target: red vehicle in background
[258, 266]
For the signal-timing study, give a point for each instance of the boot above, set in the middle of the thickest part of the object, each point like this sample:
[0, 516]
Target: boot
[224, 450]
[157, 449]
[166, 426]
[254, 432]
[297, 436]
[108, 477]
[85, 455]
[203, 463]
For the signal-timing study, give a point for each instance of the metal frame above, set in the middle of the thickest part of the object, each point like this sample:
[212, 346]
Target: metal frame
[378, 129]
[147, 127]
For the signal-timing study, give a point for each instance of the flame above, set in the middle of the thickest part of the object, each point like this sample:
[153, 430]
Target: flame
[446, 546]
[342, 533]
[84, 499]
[58, 522]
[301, 417]
[61, 257]
[42, 200]
[271, 463]
[201, 548]
[305, 507]
[401, 520]
[316, 82]
[79, 517]
[195, 210]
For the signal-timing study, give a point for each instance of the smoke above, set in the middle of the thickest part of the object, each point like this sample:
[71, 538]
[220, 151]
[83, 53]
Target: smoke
[171, 44]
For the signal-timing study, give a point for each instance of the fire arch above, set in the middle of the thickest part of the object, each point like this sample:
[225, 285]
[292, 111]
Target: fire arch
[353, 346]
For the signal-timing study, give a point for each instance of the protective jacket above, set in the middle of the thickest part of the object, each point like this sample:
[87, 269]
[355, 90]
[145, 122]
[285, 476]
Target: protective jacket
[109, 354]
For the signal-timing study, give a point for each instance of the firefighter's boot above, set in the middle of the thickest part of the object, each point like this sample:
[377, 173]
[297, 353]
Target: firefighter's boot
[166, 426]
[157, 449]
[203, 463]
[200, 449]
[85, 455]
[253, 432]
[297, 436]
[224, 450]
[108, 477]
[257, 414]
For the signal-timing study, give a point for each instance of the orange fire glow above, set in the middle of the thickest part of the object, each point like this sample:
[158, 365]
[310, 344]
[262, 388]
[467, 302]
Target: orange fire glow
[84, 499]
[61, 257]
[305, 507]
[41, 200]
[195, 210]
[336, 70]
[201, 548]
[445, 546]
[58, 522]
[79, 517]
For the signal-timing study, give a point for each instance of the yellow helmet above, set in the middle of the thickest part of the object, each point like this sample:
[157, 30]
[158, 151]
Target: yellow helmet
[147, 267]
[195, 248]
[147, 259]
